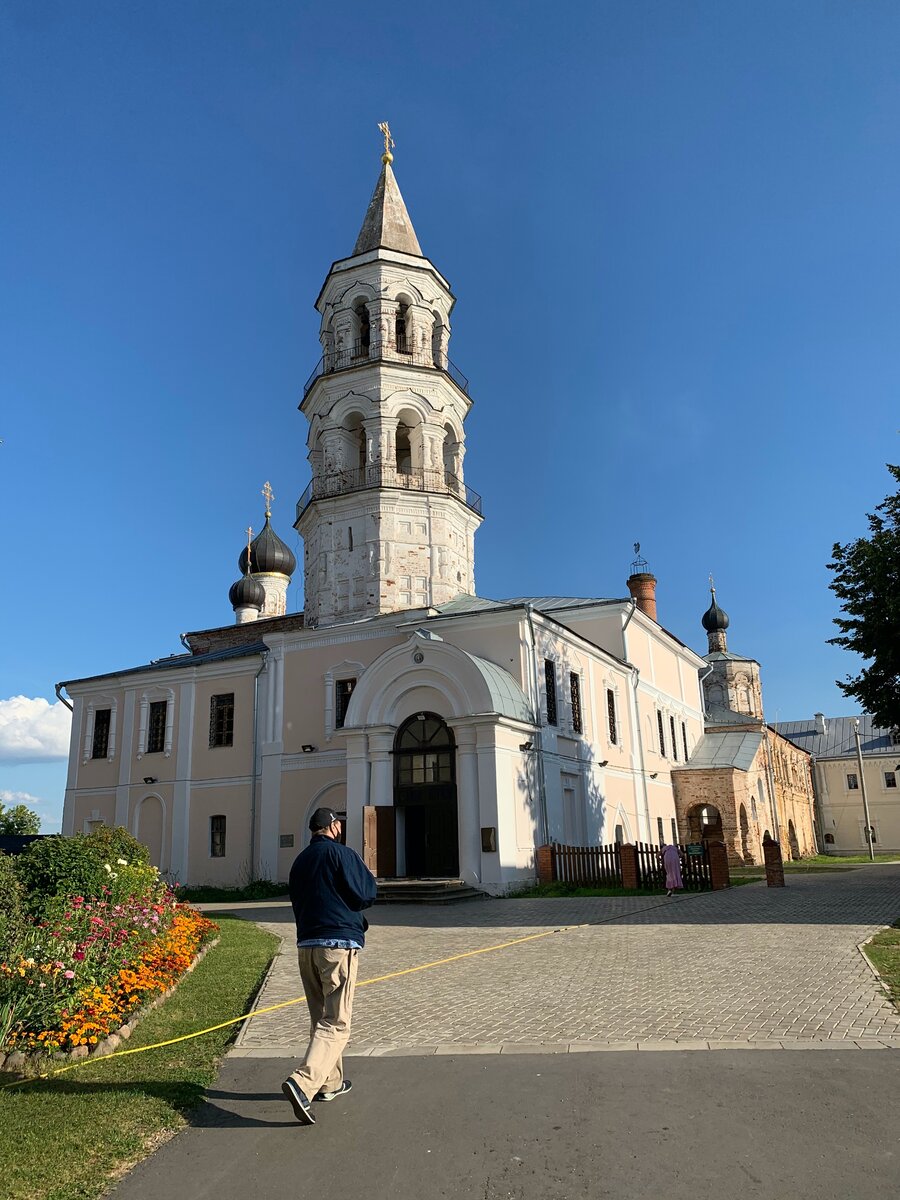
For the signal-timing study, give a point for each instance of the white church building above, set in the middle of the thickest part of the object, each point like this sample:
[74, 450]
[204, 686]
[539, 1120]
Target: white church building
[453, 732]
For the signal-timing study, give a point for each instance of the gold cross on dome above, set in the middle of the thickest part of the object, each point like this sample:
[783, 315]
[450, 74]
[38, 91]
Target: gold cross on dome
[249, 546]
[388, 142]
[270, 496]
[711, 584]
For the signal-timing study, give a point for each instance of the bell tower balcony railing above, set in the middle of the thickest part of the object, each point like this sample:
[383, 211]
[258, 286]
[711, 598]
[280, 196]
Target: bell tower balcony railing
[360, 353]
[377, 475]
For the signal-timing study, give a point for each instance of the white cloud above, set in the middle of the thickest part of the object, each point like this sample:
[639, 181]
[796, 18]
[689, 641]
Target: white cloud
[47, 811]
[33, 730]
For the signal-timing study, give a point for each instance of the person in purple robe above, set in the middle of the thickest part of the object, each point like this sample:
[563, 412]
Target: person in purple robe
[671, 861]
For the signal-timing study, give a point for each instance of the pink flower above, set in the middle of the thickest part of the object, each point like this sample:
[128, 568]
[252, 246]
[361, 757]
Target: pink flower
[69, 974]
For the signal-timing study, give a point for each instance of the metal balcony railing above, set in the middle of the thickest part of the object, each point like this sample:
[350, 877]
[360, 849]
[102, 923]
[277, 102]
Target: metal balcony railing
[401, 351]
[377, 475]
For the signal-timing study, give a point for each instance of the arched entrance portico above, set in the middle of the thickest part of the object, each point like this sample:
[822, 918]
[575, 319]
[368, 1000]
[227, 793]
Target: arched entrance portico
[425, 796]
[705, 823]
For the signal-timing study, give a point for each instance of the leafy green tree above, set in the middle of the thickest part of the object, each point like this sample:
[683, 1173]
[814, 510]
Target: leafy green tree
[867, 582]
[19, 819]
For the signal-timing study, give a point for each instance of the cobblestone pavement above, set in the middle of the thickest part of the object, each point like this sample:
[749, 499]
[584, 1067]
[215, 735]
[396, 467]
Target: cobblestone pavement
[770, 967]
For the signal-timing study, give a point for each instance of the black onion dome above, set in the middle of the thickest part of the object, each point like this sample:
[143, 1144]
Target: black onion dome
[715, 619]
[268, 554]
[247, 593]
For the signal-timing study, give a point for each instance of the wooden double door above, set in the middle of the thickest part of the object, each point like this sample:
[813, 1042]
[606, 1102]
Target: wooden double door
[423, 817]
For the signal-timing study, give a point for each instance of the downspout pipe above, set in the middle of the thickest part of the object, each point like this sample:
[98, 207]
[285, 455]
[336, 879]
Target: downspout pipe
[264, 655]
[538, 732]
[636, 709]
[61, 697]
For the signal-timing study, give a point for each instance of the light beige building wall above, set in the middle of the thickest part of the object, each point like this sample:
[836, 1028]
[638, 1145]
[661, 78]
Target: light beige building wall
[843, 817]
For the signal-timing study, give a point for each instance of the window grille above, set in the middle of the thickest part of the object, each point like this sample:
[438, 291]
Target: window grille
[674, 739]
[890, 779]
[852, 782]
[156, 730]
[343, 690]
[575, 690]
[611, 717]
[550, 684]
[221, 720]
[100, 746]
[217, 837]
[684, 740]
[662, 733]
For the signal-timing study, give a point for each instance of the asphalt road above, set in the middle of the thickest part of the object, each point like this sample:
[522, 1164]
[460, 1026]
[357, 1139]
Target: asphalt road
[816, 1124]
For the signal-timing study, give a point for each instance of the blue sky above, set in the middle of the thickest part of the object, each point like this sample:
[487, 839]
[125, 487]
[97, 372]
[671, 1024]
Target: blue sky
[671, 228]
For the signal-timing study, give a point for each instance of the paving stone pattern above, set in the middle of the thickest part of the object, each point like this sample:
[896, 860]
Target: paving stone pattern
[750, 965]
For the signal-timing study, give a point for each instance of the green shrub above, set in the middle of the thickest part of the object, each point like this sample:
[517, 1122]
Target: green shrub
[12, 906]
[82, 866]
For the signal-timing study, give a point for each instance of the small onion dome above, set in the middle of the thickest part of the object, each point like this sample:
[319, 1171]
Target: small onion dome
[268, 554]
[715, 619]
[247, 593]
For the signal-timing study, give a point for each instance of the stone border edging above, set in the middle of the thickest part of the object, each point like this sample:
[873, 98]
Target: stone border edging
[21, 1061]
[449, 1049]
[259, 991]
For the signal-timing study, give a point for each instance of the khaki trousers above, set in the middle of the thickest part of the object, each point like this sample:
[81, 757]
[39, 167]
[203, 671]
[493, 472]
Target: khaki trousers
[329, 978]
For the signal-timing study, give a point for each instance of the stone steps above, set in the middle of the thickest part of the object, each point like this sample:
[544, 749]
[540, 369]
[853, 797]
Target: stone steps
[425, 891]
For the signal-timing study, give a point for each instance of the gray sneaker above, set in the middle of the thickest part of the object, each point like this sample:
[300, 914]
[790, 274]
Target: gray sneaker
[345, 1087]
[299, 1103]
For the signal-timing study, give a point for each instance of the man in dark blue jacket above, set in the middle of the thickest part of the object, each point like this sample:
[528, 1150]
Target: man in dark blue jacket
[330, 885]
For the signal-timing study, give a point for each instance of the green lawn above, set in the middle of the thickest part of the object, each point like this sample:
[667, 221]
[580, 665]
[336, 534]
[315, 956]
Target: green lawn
[65, 1139]
[262, 889]
[884, 954]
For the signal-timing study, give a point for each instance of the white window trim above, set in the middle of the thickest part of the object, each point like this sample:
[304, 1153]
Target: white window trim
[342, 670]
[95, 703]
[570, 719]
[610, 687]
[885, 787]
[148, 697]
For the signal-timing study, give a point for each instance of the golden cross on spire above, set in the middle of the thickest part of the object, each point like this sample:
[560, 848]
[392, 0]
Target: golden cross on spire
[712, 586]
[387, 157]
[249, 546]
[270, 496]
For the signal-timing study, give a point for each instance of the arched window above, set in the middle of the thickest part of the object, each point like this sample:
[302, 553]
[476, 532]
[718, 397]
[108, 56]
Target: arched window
[401, 333]
[361, 345]
[438, 347]
[424, 752]
[403, 450]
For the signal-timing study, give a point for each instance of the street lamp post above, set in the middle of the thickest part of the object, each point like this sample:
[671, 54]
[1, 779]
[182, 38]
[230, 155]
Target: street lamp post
[865, 795]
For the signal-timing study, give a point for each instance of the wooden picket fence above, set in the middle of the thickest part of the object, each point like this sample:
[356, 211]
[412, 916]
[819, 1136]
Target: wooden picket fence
[696, 869]
[587, 866]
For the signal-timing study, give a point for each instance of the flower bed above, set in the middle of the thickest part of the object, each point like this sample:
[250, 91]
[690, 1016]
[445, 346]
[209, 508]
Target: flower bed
[75, 970]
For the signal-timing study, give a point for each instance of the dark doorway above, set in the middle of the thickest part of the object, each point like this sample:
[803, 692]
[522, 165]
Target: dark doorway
[425, 790]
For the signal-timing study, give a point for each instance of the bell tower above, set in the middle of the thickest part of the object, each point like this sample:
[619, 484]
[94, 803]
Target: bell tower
[387, 520]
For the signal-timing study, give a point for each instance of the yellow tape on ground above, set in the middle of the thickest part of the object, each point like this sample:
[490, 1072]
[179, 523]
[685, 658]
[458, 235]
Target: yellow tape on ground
[258, 1012]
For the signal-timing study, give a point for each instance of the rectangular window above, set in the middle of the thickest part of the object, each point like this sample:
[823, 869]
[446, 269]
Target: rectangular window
[100, 746]
[674, 832]
[890, 779]
[852, 782]
[684, 740]
[662, 733]
[156, 730]
[343, 690]
[674, 739]
[575, 691]
[221, 720]
[659, 829]
[550, 685]
[620, 835]
[611, 717]
[217, 837]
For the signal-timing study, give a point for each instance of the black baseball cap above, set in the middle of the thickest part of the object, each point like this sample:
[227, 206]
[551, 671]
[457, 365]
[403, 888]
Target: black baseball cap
[322, 818]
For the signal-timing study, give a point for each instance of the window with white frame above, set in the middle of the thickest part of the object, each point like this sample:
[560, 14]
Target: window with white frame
[611, 717]
[550, 688]
[661, 729]
[890, 779]
[217, 836]
[156, 726]
[575, 695]
[868, 835]
[343, 690]
[100, 729]
[157, 722]
[684, 740]
[674, 739]
[221, 720]
[852, 781]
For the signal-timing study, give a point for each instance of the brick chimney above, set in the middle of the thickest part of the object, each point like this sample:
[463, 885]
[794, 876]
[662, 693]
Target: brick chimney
[642, 586]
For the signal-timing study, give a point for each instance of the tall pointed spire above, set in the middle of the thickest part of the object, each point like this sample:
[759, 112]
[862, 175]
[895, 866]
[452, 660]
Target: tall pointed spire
[387, 225]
